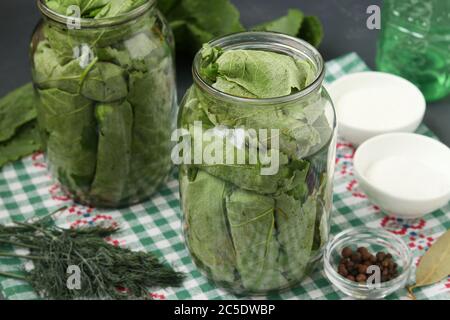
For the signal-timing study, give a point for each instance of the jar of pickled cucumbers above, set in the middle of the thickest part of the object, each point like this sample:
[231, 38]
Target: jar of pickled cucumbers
[104, 73]
[257, 145]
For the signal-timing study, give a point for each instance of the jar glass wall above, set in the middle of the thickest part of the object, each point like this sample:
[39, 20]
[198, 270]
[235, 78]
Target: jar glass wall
[107, 103]
[251, 225]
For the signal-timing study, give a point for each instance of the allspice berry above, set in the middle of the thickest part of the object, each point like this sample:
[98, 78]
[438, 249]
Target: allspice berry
[343, 270]
[362, 250]
[380, 256]
[347, 252]
[356, 257]
[361, 278]
[353, 264]
[362, 268]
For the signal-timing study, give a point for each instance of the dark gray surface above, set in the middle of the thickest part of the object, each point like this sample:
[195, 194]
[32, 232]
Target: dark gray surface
[345, 29]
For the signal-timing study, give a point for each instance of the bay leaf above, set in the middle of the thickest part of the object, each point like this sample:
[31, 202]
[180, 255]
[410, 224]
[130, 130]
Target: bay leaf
[434, 265]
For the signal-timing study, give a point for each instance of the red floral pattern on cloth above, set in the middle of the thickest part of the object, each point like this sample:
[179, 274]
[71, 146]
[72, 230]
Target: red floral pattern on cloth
[38, 160]
[401, 226]
[344, 158]
[420, 241]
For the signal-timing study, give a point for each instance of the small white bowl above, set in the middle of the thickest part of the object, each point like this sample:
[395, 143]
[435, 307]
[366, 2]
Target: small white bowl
[373, 103]
[405, 174]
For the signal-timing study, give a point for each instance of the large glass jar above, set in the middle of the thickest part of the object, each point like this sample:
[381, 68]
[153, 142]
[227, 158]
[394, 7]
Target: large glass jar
[107, 103]
[249, 227]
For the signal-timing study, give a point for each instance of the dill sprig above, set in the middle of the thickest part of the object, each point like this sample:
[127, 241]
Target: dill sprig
[107, 271]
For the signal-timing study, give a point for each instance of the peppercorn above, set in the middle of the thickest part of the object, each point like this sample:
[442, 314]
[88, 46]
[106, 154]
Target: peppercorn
[367, 263]
[380, 256]
[351, 278]
[353, 265]
[361, 278]
[366, 256]
[350, 265]
[343, 270]
[356, 257]
[347, 252]
[362, 250]
[362, 268]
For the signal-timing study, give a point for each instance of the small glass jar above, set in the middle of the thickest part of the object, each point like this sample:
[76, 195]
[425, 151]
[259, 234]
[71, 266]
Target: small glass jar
[107, 103]
[250, 230]
[375, 240]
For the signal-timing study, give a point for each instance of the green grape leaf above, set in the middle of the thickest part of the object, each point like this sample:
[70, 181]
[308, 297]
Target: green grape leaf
[289, 24]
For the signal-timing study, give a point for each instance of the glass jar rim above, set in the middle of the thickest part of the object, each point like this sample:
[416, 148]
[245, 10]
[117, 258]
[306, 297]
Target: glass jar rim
[247, 38]
[96, 23]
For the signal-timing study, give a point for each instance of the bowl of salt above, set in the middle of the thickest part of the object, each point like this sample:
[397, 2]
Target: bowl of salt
[372, 103]
[406, 174]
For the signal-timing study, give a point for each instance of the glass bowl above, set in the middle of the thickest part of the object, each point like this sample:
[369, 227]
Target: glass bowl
[375, 240]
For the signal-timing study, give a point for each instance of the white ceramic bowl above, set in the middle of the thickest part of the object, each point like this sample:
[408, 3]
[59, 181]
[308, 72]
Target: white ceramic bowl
[373, 103]
[417, 182]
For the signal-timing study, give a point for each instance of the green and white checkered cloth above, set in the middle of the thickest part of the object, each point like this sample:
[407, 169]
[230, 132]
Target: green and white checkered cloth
[27, 191]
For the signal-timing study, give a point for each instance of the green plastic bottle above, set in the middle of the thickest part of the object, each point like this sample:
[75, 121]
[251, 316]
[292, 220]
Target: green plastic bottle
[415, 44]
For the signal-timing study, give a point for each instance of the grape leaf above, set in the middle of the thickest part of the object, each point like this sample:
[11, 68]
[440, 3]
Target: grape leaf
[195, 22]
[16, 109]
[252, 225]
[115, 121]
[312, 30]
[208, 228]
[68, 124]
[266, 74]
[289, 24]
[25, 141]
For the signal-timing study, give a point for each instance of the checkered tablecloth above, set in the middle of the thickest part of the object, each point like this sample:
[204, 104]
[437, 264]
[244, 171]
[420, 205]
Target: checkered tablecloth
[26, 191]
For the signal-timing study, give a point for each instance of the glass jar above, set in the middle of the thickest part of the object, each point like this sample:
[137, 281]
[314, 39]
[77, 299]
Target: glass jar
[415, 44]
[251, 226]
[107, 103]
